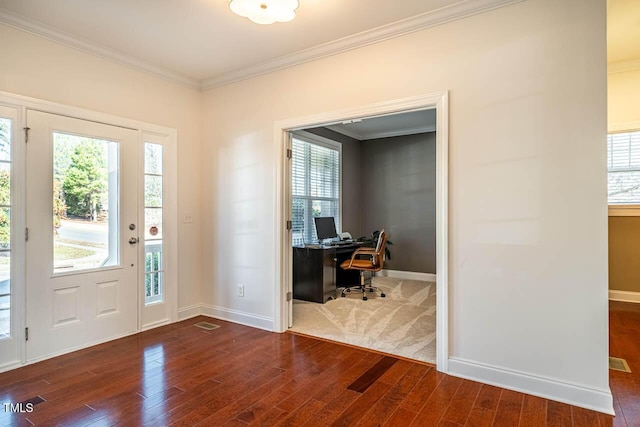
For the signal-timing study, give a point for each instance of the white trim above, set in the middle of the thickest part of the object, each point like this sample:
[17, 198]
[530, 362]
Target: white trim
[623, 66]
[190, 311]
[154, 325]
[408, 275]
[55, 35]
[236, 316]
[595, 399]
[378, 135]
[624, 296]
[420, 22]
[10, 366]
[624, 210]
[282, 241]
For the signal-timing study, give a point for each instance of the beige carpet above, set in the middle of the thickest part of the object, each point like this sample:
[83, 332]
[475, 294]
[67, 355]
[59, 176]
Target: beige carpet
[403, 323]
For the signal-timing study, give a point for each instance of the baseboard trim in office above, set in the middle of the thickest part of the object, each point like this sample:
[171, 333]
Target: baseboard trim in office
[408, 275]
[154, 325]
[10, 366]
[624, 296]
[600, 400]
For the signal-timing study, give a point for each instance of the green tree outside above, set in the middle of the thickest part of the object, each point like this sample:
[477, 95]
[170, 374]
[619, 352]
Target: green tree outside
[85, 181]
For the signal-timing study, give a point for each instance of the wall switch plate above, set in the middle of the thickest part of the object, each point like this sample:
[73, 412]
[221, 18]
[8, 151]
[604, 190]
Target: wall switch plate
[240, 290]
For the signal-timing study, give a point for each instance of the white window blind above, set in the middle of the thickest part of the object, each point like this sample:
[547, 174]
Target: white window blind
[315, 187]
[623, 151]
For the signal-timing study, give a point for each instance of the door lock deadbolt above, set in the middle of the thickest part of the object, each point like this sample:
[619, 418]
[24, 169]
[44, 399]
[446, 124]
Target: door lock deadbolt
[132, 227]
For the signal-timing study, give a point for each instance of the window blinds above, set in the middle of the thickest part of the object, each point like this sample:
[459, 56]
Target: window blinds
[623, 152]
[315, 184]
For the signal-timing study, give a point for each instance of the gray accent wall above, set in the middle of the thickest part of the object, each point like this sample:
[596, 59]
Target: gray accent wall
[390, 183]
[399, 194]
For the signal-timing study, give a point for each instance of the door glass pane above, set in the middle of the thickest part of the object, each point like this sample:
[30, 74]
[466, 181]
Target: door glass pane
[153, 202]
[5, 228]
[85, 203]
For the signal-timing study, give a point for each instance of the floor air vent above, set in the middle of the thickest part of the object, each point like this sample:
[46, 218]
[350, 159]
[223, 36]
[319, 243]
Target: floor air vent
[618, 364]
[207, 326]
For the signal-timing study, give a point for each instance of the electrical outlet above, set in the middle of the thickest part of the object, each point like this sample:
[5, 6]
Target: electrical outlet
[188, 218]
[240, 290]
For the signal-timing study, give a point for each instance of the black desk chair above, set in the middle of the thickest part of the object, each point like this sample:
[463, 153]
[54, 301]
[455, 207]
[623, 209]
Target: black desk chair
[373, 262]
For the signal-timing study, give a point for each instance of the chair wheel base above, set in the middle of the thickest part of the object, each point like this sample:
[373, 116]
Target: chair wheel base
[382, 295]
[342, 295]
[364, 298]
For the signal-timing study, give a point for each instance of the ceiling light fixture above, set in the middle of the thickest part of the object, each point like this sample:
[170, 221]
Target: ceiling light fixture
[265, 11]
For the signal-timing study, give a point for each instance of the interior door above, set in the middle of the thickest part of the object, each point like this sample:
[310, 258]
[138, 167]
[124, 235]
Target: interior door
[81, 252]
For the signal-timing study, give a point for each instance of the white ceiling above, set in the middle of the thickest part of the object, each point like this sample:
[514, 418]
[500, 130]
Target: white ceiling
[623, 31]
[390, 125]
[202, 43]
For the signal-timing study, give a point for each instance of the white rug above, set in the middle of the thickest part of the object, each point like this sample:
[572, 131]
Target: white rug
[403, 323]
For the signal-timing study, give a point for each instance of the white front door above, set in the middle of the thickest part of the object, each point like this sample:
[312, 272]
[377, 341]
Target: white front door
[81, 252]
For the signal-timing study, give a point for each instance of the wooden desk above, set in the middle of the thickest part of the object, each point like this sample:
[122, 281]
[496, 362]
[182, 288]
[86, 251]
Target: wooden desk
[317, 272]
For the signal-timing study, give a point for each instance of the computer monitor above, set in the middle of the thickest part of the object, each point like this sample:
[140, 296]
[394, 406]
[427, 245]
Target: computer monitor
[325, 227]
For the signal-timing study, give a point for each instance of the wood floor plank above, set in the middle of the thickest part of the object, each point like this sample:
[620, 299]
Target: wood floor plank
[558, 415]
[462, 402]
[534, 412]
[484, 409]
[401, 417]
[509, 409]
[438, 402]
[362, 404]
[583, 417]
[416, 398]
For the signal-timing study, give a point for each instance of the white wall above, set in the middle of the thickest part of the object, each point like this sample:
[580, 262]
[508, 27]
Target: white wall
[35, 67]
[528, 239]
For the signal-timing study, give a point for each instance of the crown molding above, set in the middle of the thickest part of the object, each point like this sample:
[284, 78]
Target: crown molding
[385, 134]
[53, 34]
[622, 66]
[462, 9]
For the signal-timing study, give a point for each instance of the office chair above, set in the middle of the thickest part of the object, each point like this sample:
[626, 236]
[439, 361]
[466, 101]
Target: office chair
[373, 263]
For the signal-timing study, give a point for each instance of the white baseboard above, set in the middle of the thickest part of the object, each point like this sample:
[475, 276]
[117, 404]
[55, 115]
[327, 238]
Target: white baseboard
[154, 325]
[222, 313]
[408, 275]
[9, 366]
[189, 312]
[624, 296]
[595, 399]
[235, 316]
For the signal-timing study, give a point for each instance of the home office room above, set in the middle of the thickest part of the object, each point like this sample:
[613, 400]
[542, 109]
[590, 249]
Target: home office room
[359, 187]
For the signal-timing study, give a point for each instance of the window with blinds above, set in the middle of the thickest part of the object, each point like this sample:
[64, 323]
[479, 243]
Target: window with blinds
[315, 184]
[623, 152]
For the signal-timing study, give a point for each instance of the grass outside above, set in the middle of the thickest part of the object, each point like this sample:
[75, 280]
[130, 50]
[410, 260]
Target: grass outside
[63, 252]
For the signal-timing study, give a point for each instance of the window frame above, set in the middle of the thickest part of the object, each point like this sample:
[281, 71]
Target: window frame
[321, 141]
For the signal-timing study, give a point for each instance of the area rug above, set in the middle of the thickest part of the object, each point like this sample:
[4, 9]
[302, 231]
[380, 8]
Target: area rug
[403, 323]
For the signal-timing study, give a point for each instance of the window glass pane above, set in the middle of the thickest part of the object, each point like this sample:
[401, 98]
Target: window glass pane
[153, 159]
[5, 184]
[5, 318]
[153, 223]
[5, 228]
[5, 139]
[152, 191]
[85, 203]
[623, 151]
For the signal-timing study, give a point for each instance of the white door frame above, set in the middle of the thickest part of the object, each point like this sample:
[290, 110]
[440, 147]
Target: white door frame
[22, 103]
[282, 242]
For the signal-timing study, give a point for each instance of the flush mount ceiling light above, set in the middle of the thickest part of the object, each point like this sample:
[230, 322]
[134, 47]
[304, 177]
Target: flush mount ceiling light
[265, 11]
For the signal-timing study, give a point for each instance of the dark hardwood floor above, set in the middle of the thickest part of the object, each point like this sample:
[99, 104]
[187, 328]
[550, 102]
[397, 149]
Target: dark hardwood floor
[237, 376]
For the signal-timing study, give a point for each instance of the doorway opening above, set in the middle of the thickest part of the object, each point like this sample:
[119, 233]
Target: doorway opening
[333, 123]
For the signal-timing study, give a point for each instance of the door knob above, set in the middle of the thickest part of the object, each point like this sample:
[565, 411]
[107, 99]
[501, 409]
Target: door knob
[133, 240]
